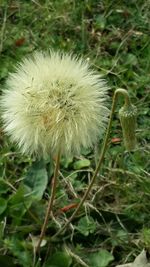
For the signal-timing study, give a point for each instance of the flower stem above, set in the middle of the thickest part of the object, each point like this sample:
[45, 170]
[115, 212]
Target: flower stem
[125, 94]
[50, 203]
[104, 147]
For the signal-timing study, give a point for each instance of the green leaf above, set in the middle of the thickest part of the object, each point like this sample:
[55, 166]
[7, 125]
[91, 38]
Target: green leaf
[19, 202]
[86, 225]
[37, 179]
[100, 22]
[145, 236]
[131, 59]
[66, 161]
[59, 259]
[3, 186]
[19, 250]
[83, 163]
[101, 259]
[3, 205]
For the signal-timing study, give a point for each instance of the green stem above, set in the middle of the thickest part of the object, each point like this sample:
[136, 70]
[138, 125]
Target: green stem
[104, 147]
[125, 94]
[50, 203]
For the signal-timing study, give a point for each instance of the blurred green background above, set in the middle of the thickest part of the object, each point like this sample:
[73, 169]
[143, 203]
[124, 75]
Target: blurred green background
[114, 36]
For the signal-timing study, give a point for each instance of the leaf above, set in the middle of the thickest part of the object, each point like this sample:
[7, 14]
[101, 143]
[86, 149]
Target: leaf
[65, 162]
[100, 22]
[146, 237]
[131, 59]
[86, 225]
[83, 163]
[19, 202]
[37, 179]
[20, 250]
[59, 259]
[3, 205]
[3, 186]
[101, 259]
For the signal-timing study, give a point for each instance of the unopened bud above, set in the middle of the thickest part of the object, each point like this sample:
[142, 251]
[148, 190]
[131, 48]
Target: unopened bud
[128, 114]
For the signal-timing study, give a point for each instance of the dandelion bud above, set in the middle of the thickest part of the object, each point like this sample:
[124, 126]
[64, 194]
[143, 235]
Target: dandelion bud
[54, 102]
[127, 116]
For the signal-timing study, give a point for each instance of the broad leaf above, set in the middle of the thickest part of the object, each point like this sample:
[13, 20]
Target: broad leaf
[19, 202]
[19, 248]
[37, 179]
[101, 259]
[3, 186]
[86, 225]
[59, 259]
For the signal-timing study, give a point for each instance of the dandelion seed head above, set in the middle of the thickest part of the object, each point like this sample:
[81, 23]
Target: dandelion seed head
[54, 101]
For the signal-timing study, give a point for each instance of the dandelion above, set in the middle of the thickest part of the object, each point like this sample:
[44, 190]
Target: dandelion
[54, 102]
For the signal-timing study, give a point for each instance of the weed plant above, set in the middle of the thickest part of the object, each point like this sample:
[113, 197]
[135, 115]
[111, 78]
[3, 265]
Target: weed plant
[113, 225]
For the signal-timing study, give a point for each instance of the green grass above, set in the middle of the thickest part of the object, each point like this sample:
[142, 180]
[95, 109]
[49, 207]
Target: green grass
[114, 37]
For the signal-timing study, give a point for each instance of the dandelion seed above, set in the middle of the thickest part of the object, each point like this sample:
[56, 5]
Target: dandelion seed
[54, 101]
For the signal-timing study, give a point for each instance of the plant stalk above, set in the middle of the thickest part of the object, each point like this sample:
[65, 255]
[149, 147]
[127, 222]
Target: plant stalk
[104, 147]
[50, 203]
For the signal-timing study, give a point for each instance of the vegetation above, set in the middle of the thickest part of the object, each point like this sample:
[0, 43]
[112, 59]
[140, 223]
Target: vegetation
[114, 224]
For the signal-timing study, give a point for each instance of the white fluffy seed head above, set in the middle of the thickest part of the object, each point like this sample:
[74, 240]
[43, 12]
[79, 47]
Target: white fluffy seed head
[54, 101]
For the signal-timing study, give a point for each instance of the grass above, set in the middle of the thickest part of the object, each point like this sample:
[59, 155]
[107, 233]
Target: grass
[114, 37]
